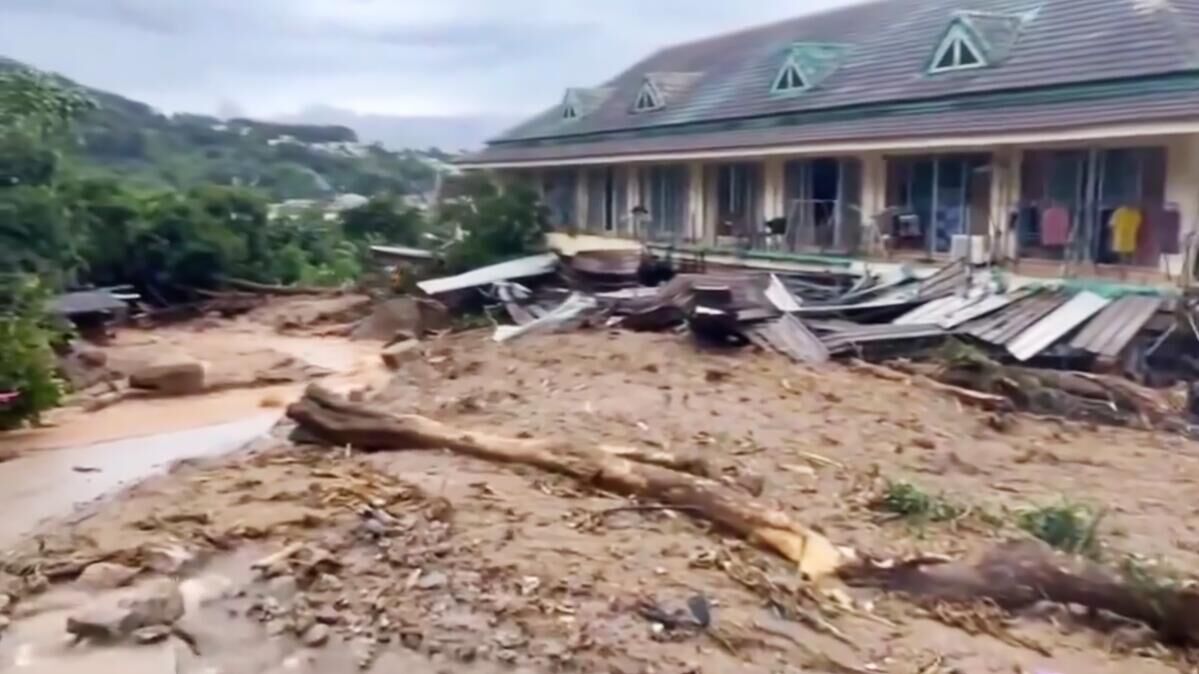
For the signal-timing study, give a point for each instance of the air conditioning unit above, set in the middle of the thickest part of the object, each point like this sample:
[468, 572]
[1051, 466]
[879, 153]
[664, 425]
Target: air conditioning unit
[969, 247]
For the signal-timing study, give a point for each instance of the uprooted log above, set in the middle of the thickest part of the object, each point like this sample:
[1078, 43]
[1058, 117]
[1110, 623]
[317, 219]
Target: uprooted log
[1078, 395]
[1021, 574]
[271, 289]
[659, 475]
[986, 401]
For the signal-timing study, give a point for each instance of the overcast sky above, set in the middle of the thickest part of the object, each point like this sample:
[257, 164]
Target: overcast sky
[405, 57]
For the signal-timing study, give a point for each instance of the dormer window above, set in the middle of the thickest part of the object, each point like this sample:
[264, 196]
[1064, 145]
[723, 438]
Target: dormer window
[569, 112]
[959, 50]
[790, 78]
[648, 99]
[806, 65]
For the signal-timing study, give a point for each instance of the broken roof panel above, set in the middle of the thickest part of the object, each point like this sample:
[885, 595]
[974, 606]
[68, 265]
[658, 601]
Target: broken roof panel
[534, 265]
[846, 340]
[1056, 325]
[1117, 325]
[1008, 323]
[789, 336]
[932, 313]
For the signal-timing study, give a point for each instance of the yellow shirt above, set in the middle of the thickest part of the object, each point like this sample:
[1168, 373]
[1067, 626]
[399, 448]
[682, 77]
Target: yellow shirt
[1126, 226]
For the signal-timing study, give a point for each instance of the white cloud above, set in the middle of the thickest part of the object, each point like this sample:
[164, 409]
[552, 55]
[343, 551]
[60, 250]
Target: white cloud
[426, 57]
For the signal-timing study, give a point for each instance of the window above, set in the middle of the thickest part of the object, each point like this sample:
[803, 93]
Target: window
[790, 78]
[957, 52]
[569, 112]
[647, 99]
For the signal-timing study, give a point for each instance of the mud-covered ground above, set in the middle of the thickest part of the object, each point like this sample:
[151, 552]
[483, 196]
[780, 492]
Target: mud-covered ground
[437, 562]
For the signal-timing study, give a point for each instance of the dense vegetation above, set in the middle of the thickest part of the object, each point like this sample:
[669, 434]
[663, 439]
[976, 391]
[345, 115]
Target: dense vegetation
[150, 150]
[66, 224]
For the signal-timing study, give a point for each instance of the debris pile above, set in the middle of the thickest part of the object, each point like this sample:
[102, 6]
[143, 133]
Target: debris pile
[1062, 333]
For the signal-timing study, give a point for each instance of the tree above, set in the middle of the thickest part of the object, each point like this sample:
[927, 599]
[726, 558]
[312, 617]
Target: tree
[26, 358]
[493, 225]
[386, 219]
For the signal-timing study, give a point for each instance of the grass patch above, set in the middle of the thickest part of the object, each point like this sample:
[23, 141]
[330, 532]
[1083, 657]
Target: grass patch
[1067, 526]
[912, 503]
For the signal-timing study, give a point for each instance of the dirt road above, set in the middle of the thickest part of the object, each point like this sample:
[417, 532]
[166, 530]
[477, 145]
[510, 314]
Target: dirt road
[438, 561]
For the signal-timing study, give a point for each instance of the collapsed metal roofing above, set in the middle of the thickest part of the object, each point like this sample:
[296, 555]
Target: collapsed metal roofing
[1052, 62]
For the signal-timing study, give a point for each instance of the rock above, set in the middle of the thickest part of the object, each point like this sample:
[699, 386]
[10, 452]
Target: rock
[93, 357]
[107, 576]
[316, 636]
[282, 588]
[159, 603]
[5, 603]
[396, 355]
[173, 376]
[406, 315]
[4, 623]
[432, 581]
[152, 634]
[167, 558]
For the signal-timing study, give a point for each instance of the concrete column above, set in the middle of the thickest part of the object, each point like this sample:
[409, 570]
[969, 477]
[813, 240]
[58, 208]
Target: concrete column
[697, 220]
[1182, 188]
[773, 190]
[874, 193]
[581, 180]
[1005, 195]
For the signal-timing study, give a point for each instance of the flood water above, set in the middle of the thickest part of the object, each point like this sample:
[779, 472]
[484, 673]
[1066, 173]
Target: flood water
[51, 484]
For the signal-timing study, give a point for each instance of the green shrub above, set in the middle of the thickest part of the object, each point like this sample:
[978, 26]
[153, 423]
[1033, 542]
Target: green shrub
[1067, 526]
[27, 363]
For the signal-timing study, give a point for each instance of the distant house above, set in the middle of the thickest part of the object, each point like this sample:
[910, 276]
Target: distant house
[1043, 131]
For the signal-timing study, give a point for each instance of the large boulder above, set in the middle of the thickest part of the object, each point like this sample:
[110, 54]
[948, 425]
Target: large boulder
[107, 576]
[397, 354]
[159, 603]
[408, 316]
[180, 375]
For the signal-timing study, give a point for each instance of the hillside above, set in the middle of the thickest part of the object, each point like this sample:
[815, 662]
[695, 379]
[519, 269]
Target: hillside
[286, 161]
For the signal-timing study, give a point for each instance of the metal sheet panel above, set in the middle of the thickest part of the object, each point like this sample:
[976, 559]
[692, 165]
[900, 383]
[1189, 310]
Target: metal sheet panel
[1115, 326]
[535, 265]
[790, 337]
[932, 313]
[987, 304]
[1053, 327]
[1007, 324]
[868, 334]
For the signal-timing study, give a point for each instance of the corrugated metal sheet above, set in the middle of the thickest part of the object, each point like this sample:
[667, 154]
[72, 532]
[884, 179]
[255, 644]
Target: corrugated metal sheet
[789, 336]
[534, 265]
[87, 302]
[889, 45]
[932, 313]
[1007, 324]
[1053, 327]
[951, 278]
[988, 304]
[1115, 326]
[867, 334]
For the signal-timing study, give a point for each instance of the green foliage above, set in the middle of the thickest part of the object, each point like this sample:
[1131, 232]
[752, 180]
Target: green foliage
[493, 225]
[385, 218]
[1069, 527]
[26, 357]
[910, 502]
[37, 103]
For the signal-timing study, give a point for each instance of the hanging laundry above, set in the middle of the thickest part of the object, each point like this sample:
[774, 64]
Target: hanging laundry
[1126, 227]
[1055, 226]
[1169, 232]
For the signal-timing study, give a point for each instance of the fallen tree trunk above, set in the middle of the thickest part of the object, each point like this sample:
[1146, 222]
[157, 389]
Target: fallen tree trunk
[269, 289]
[986, 401]
[673, 480]
[1021, 574]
